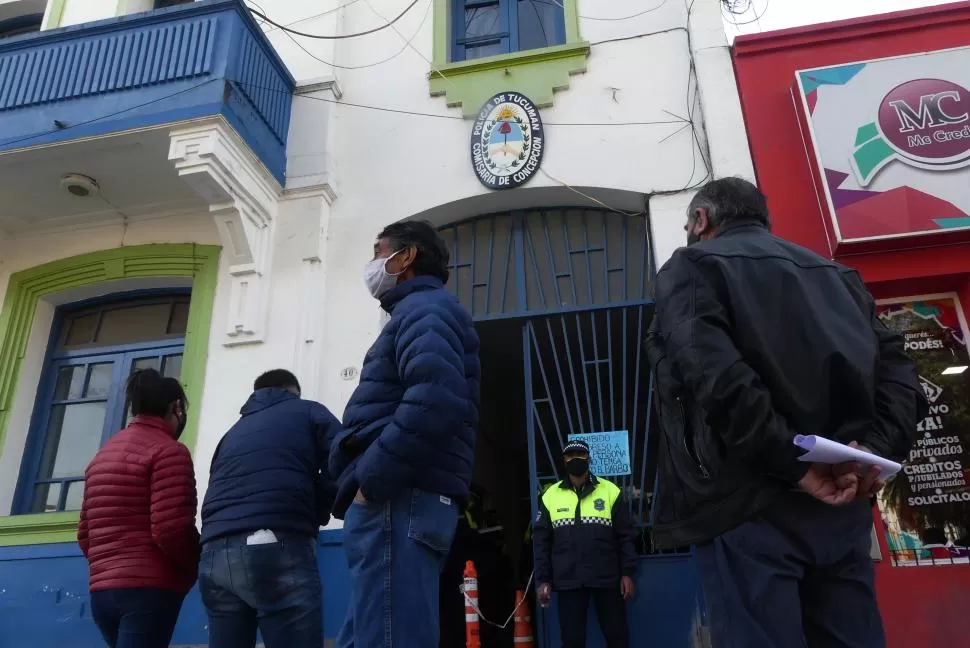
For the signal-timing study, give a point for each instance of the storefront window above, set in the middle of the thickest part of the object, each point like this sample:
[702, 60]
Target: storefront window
[926, 508]
[81, 401]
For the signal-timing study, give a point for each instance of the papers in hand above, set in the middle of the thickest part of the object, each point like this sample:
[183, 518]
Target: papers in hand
[822, 450]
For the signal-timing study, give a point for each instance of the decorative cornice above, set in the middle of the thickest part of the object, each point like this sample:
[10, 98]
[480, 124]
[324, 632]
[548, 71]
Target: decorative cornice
[323, 84]
[242, 197]
[323, 190]
[538, 74]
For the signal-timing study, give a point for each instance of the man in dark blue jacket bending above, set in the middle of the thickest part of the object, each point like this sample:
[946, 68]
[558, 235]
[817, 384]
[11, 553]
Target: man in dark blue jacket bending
[404, 458]
[269, 493]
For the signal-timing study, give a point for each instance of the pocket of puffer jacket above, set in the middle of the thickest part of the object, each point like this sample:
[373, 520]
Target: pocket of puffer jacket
[434, 519]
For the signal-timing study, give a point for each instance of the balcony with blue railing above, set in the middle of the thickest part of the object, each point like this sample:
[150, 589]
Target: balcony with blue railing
[201, 59]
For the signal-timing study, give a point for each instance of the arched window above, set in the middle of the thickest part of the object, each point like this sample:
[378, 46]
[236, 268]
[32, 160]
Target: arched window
[81, 402]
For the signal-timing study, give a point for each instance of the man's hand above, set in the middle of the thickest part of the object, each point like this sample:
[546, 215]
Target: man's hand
[626, 588]
[360, 499]
[869, 482]
[825, 484]
[544, 594]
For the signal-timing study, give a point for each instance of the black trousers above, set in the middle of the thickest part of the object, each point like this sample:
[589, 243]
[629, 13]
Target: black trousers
[797, 575]
[610, 611]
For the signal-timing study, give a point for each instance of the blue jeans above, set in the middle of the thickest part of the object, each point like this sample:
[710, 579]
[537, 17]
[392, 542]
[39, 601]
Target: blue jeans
[797, 575]
[136, 617]
[275, 587]
[396, 552]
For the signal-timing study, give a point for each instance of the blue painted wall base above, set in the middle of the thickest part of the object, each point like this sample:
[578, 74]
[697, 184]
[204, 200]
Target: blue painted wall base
[44, 601]
[660, 614]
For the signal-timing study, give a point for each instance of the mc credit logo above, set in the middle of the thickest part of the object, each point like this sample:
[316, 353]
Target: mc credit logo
[924, 123]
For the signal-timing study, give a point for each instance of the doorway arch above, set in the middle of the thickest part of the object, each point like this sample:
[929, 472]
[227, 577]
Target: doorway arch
[541, 261]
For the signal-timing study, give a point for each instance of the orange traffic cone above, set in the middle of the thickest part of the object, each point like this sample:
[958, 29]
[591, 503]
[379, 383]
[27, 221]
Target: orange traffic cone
[523, 622]
[470, 589]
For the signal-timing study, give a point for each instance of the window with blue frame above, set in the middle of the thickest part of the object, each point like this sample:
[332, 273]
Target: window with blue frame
[489, 27]
[81, 400]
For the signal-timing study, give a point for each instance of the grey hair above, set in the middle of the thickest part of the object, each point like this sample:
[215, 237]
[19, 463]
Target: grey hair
[727, 200]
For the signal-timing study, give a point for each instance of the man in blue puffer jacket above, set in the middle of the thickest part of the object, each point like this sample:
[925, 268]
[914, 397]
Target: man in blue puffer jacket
[269, 493]
[404, 458]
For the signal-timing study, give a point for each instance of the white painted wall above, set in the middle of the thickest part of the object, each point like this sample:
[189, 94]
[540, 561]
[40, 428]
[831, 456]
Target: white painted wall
[385, 166]
[80, 11]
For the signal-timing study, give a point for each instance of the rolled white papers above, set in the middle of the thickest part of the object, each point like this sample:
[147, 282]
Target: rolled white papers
[822, 450]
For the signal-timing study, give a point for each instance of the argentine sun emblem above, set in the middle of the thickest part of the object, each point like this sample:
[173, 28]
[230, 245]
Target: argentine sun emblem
[507, 141]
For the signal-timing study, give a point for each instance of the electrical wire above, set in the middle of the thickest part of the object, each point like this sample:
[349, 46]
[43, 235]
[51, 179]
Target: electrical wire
[6, 143]
[736, 7]
[585, 195]
[333, 36]
[407, 44]
[400, 111]
[749, 7]
[271, 28]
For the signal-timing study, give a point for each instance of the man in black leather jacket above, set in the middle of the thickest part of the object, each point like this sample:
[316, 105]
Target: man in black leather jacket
[756, 340]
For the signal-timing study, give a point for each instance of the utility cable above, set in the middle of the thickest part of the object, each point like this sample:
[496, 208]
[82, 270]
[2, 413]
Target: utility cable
[108, 115]
[271, 28]
[263, 16]
[407, 44]
[398, 111]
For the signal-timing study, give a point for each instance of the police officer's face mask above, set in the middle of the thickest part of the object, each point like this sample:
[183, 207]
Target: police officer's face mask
[577, 466]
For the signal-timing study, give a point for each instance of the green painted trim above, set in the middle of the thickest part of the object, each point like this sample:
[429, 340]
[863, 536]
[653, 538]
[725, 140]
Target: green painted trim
[571, 17]
[538, 74]
[42, 528]
[442, 33]
[25, 288]
[55, 14]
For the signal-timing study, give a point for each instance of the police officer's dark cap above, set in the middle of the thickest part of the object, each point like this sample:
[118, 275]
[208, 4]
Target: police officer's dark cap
[576, 447]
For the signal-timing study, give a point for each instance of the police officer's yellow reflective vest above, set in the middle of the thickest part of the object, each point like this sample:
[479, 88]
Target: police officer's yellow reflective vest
[595, 508]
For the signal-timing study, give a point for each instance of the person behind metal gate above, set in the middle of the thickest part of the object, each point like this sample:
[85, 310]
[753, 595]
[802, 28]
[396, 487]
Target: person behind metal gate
[269, 493]
[755, 340]
[137, 527]
[583, 539]
[404, 458]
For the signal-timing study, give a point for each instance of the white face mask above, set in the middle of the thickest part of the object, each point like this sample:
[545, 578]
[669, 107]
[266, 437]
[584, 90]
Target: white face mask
[377, 278]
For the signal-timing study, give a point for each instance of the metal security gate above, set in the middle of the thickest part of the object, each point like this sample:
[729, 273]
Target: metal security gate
[579, 281]
[587, 373]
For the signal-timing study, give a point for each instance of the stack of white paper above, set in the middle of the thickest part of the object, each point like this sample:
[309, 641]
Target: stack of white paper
[826, 451]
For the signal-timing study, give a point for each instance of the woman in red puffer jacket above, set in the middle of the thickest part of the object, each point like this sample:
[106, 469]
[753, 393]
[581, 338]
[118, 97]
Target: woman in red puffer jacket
[137, 525]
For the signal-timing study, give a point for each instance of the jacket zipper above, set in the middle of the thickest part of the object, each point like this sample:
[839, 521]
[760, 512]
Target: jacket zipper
[693, 455]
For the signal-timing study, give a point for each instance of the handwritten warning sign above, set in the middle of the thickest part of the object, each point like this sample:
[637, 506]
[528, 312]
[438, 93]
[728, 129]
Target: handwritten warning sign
[609, 452]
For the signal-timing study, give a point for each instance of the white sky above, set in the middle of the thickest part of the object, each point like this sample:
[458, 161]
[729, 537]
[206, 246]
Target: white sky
[781, 14]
